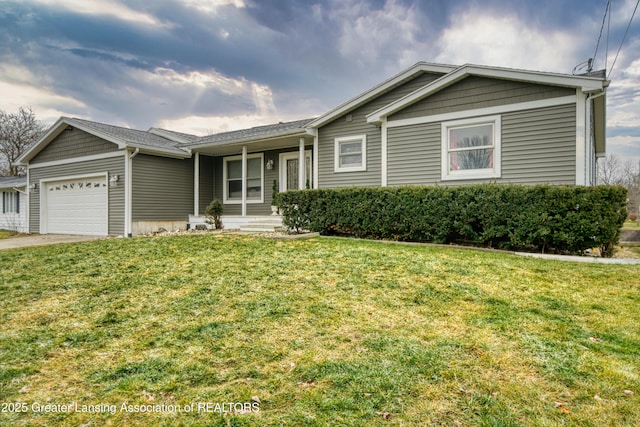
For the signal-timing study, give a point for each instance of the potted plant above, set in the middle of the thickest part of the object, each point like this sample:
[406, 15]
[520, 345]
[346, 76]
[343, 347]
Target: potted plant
[275, 210]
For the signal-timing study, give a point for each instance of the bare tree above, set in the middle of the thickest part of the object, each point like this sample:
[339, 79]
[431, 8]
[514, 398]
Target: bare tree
[612, 171]
[17, 132]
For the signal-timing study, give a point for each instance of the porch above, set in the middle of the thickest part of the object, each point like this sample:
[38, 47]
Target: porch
[243, 172]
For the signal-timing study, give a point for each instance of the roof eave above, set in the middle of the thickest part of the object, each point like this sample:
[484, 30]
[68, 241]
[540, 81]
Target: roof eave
[145, 149]
[586, 84]
[249, 140]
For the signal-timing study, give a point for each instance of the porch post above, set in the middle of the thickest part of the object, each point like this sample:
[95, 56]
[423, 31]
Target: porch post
[314, 157]
[301, 167]
[196, 184]
[244, 180]
[383, 130]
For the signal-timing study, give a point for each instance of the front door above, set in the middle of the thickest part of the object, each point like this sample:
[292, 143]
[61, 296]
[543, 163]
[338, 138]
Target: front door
[290, 170]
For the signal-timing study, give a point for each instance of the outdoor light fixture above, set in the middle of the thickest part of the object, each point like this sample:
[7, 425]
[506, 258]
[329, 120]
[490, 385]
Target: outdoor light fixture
[33, 186]
[269, 164]
[113, 179]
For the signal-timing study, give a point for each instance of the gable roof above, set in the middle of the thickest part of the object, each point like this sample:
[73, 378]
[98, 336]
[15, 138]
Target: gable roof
[146, 142]
[13, 181]
[385, 86]
[586, 84]
[277, 130]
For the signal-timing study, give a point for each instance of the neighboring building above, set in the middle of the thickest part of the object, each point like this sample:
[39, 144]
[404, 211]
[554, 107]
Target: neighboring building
[13, 205]
[430, 124]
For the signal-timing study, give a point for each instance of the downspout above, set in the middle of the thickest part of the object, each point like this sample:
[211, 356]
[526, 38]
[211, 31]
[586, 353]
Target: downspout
[128, 196]
[196, 185]
[591, 134]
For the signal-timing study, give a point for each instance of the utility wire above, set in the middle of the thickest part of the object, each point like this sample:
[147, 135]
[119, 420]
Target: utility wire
[606, 54]
[623, 38]
[604, 18]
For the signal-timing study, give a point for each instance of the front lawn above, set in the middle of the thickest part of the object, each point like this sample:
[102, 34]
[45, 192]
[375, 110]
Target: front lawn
[5, 234]
[313, 332]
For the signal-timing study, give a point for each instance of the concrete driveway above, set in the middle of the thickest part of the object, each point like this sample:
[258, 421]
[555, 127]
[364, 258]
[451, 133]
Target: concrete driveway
[43, 239]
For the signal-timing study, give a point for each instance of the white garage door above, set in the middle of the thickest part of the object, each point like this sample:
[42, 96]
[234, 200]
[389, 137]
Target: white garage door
[76, 206]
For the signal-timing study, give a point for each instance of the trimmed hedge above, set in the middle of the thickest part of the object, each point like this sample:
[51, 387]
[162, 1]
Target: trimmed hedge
[539, 218]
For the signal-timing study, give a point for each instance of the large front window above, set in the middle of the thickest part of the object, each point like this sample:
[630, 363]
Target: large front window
[471, 148]
[233, 179]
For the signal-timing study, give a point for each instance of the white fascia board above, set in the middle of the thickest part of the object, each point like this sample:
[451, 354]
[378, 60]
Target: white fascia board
[586, 84]
[378, 89]
[144, 149]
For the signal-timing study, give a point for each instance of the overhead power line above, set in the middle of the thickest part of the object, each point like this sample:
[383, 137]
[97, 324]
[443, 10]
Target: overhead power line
[623, 39]
[607, 11]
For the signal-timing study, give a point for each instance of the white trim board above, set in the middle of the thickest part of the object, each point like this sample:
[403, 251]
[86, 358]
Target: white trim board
[282, 170]
[508, 108]
[225, 200]
[77, 159]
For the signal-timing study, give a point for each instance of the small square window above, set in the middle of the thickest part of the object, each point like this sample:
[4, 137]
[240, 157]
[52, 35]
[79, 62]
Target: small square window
[471, 148]
[351, 154]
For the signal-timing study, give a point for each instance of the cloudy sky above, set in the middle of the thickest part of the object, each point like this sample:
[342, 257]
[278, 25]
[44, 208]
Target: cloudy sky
[203, 66]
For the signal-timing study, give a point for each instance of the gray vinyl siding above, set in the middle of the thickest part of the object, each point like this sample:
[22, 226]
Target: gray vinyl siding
[162, 188]
[413, 154]
[480, 92]
[206, 193]
[73, 143]
[538, 146]
[358, 125]
[111, 166]
[269, 177]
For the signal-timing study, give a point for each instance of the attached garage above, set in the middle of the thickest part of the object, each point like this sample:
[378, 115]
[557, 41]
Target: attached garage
[77, 205]
[80, 180]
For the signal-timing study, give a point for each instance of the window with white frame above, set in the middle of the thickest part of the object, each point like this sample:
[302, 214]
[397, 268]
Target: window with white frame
[233, 179]
[471, 148]
[351, 153]
[10, 202]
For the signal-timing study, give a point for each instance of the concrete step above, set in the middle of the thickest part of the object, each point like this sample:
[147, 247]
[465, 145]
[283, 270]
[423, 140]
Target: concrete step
[263, 226]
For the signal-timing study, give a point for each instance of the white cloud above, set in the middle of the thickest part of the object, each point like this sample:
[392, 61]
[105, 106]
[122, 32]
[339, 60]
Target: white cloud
[211, 6]
[194, 84]
[390, 35]
[46, 105]
[207, 125]
[490, 39]
[104, 7]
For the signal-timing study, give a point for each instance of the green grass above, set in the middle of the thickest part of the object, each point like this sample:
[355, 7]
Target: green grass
[320, 332]
[5, 234]
[631, 225]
